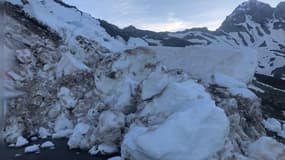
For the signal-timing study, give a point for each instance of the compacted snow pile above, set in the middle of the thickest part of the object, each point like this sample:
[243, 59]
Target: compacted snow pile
[142, 103]
[239, 63]
[133, 103]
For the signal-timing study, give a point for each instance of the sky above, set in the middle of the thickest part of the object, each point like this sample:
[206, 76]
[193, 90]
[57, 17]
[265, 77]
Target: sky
[161, 15]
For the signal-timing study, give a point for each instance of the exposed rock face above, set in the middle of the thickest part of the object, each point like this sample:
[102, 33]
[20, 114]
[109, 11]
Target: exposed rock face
[260, 13]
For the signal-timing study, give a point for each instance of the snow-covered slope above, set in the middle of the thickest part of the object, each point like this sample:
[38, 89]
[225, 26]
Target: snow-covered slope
[69, 22]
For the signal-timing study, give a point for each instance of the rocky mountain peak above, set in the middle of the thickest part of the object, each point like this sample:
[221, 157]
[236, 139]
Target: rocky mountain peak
[259, 12]
[130, 27]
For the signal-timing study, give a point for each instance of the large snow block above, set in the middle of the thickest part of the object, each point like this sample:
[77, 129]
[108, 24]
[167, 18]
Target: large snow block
[195, 134]
[195, 128]
[239, 63]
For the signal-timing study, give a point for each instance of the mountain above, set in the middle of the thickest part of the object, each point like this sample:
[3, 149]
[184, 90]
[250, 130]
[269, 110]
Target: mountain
[141, 94]
[253, 24]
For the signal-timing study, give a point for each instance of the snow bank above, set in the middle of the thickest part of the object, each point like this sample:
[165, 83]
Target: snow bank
[239, 63]
[193, 115]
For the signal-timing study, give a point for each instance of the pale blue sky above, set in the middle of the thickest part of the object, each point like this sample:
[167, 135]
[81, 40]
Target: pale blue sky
[162, 15]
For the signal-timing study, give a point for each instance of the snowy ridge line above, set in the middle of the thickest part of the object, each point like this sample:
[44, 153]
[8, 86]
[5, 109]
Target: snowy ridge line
[69, 22]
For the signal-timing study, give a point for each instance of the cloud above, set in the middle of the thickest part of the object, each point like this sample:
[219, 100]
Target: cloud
[174, 23]
[161, 15]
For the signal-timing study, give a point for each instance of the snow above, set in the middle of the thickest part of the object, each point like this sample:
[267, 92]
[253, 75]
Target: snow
[177, 97]
[34, 138]
[238, 63]
[136, 42]
[226, 81]
[32, 148]
[177, 138]
[69, 64]
[109, 120]
[63, 127]
[62, 134]
[47, 144]
[130, 69]
[272, 124]
[70, 23]
[282, 133]
[15, 76]
[115, 158]
[174, 118]
[75, 140]
[93, 151]
[21, 141]
[253, 87]
[244, 92]
[24, 56]
[193, 115]
[266, 148]
[235, 87]
[43, 133]
[106, 149]
[66, 98]
[154, 84]
[116, 92]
